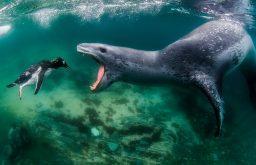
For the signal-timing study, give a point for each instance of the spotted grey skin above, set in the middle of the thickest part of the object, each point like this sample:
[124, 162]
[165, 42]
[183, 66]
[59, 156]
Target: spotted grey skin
[36, 73]
[201, 58]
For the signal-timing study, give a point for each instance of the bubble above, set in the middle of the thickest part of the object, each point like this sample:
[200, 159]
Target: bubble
[89, 10]
[45, 16]
[4, 29]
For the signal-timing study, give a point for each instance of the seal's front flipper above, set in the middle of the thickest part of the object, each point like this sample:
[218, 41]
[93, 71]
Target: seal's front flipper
[211, 89]
[40, 79]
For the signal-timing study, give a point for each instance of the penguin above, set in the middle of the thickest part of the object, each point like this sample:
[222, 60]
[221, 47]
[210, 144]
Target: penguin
[36, 73]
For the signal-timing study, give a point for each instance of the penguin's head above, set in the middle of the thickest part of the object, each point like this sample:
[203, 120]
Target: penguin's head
[59, 62]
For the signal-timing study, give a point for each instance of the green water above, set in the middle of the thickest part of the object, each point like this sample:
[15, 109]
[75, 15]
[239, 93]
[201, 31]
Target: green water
[136, 124]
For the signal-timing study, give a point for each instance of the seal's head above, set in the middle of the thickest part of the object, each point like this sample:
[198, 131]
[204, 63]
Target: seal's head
[59, 62]
[107, 57]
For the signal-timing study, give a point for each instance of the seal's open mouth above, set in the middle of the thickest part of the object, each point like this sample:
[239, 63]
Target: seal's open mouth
[101, 73]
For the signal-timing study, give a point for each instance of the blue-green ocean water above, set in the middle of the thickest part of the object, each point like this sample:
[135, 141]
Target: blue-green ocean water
[125, 124]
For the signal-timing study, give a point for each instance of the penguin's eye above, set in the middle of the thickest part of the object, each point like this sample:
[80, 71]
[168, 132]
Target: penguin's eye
[103, 50]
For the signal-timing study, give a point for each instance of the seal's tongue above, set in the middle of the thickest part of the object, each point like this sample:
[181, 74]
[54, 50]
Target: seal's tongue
[99, 78]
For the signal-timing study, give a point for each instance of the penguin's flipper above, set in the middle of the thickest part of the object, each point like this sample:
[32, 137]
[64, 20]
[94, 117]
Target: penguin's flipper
[39, 81]
[210, 88]
[20, 92]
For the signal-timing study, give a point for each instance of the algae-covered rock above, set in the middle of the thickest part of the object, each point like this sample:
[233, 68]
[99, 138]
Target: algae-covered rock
[104, 129]
[18, 141]
[58, 104]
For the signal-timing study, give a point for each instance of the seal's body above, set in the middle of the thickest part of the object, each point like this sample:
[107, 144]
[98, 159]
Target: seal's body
[35, 74]
[212, 49]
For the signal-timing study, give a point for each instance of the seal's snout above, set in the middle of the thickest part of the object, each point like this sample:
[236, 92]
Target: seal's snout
[83, 48]
[89, 49]
[79, 48]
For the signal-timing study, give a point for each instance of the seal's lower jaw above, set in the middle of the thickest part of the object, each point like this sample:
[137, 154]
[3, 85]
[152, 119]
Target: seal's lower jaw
[97, 83]
[101, 72]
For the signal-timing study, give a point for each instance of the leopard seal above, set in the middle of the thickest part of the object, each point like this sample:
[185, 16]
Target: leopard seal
[201, 58]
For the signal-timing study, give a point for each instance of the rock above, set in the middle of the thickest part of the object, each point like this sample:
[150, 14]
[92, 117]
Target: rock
[19, 140]
[18, 137]
[95, 120]
[73, 129]
[93, 116]
[215, 157]
[78, 122]
[58, 104]
[112, 146]
[95, 132]
[142, 129]
[137, 139]
[90, 101]
[121, 101]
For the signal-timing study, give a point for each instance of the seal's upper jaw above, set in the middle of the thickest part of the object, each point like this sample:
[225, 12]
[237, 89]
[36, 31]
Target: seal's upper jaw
[94, 50]
[89, 49]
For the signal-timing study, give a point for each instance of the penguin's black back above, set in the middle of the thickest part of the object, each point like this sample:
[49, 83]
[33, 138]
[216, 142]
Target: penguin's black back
[25, 76]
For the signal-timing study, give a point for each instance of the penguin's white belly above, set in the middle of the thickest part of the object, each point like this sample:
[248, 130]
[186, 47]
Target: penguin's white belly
[33, 79]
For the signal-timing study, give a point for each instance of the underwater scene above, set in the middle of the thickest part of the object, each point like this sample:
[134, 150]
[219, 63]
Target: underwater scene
[68, 123]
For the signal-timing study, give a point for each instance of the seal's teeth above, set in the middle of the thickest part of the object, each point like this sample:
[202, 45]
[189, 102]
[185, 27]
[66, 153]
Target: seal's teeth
[93, 87]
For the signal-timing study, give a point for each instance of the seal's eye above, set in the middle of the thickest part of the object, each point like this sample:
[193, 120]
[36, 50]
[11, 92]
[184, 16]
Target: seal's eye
[103, 50]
